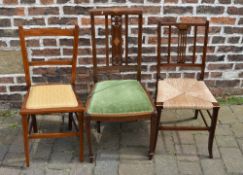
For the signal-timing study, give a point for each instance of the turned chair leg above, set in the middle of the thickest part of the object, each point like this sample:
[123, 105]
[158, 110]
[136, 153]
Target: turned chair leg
[212, 131]
[88, 135]
[25, 138]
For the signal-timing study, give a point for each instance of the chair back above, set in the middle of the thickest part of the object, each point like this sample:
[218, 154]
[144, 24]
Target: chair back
[182, 45]
[116, 40]
[24, 34]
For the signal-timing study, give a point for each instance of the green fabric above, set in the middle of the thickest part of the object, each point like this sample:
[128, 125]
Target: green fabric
[119, 97]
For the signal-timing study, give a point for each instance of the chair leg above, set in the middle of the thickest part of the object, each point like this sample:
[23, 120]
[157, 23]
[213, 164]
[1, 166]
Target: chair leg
[33, 118]
[98, 126]
[212, 131]
[25, 137]
[80, 117]
[159, 109]
[70, 120]
[196, 114]
[88, 133]
[153, 132]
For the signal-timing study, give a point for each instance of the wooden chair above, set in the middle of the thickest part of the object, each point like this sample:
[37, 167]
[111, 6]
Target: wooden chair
[117, 38]
[184, 45]
[49, 98]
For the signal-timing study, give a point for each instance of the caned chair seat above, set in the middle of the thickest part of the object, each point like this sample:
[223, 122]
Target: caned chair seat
[184, 93]
[119, 97]
[51, 96]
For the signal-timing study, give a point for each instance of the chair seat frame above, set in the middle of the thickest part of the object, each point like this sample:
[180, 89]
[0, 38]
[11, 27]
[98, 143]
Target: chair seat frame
[213, 115]
[30, 129]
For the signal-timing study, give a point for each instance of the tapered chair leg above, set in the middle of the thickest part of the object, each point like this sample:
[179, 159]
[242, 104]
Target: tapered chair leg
[153, 133]
[34, 121]
[80, 117]
[88, 134]
[159, 109]
[98, 126]
[25, 138]
[212, 131]
[70, 121]
[196, 114]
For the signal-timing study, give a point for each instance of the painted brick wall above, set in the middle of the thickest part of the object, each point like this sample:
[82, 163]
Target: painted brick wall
[224, 73]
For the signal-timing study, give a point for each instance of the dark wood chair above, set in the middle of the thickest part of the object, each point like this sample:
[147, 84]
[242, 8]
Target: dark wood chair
[49, 98]
[117, 48]
[184, 45]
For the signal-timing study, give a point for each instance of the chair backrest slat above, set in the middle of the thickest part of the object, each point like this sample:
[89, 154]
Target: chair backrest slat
[116, 37]
[39, 32]
[182, 45]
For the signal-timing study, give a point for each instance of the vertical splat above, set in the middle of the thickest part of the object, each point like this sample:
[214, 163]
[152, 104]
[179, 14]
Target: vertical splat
[182, 42]
[116, 30]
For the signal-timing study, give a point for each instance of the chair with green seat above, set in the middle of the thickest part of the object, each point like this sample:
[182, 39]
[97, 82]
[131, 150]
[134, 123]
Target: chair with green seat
[119, 42]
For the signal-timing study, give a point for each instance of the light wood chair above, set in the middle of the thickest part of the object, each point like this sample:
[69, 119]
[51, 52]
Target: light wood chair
[117, 48]
[49, 98]
[184, 45]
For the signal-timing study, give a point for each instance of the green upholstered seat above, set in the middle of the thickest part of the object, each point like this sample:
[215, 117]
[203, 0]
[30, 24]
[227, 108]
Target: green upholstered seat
[119, 97]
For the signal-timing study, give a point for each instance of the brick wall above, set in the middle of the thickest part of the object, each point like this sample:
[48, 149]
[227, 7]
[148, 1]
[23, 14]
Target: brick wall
[224, 73]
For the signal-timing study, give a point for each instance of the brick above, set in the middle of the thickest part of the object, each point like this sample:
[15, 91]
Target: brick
[224, 1]
[210, 10]
[49, 42]
[27, 1]
[171, 1]
[3, 89]
[231, 30]
[208, 1]
[10, 1]
[222, 66]
[188, 19]
[229, 49]
[235, 57]
[238, 2]
[43, 10]
[46, 52]
[105, 1]
[11, 97]
[3, 44]
[155, 20]
[190, 1]
[241, 21]
[227, 83]
[14, 43]
[235, 10]
[177, 10]
[46, 1]
[19, 11]
[239, 66]
[233, 40]
[62, 21]
[223, 20]
[213, 58]
[32, 21]
[75, 10]
[142, 1]
[218, 40]
[8, 33]
[5, 23]
[81, 1]
[63, 1]
[17, 88]
[6, 80]
[151, 10]
[215, 74]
